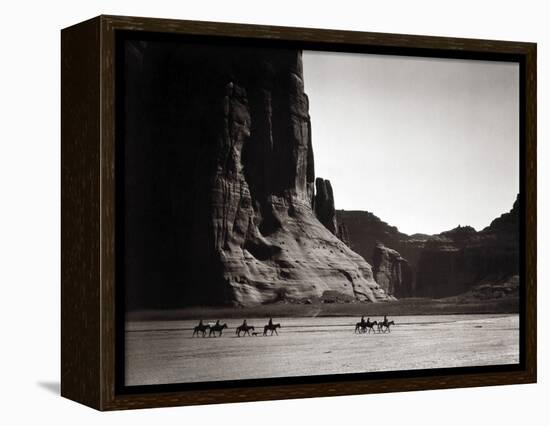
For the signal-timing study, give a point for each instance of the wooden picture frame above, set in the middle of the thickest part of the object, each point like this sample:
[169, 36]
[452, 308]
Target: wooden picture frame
[89, 299]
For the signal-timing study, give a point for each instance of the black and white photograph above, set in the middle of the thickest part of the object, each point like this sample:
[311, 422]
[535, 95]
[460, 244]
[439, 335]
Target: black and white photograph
[274, 213]
[287, 212]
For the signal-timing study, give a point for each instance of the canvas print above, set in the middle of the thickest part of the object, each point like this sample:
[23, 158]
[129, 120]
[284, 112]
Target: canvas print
[287, 212]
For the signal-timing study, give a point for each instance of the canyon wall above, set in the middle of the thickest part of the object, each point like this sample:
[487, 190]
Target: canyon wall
[392, 271]
[454, 262]
[221, 205]
[220, 183]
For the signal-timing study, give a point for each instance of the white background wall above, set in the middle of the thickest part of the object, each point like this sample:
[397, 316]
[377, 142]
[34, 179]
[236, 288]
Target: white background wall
[30, 212]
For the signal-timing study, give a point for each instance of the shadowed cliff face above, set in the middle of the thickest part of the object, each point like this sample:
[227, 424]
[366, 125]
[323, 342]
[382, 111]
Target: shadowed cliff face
[366, 234]
[453, 262]
[324, 204]
[220, 182]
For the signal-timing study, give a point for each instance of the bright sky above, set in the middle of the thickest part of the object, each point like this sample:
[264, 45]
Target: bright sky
[425, 144]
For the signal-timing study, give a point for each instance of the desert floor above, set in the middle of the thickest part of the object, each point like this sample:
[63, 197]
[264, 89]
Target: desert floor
[164, 351]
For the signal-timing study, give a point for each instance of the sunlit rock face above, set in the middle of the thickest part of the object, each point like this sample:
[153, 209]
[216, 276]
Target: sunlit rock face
[269, 241]
[233, 139]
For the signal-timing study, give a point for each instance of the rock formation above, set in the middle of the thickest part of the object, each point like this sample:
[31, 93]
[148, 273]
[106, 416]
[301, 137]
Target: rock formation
[324, 204]
[343, 234]
[365, 231]
[455, 261]
[221, 204]
[392, 271]
[220, 183]
[459, 261]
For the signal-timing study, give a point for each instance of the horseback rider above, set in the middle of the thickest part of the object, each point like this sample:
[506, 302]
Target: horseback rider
[362, 319]
[217, 323]
[270, 323]
[244, 324]
[201, 324]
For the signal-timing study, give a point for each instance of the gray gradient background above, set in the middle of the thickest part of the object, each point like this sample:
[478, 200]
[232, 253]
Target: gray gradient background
[425, 144]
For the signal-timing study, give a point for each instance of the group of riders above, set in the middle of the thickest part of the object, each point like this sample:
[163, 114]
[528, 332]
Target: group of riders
[363, 326]
[217, 329]
[368, 325]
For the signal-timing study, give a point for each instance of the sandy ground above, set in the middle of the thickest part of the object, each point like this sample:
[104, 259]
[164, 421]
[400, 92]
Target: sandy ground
[161, 352]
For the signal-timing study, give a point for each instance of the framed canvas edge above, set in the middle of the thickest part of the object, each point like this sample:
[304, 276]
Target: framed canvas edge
[80, 207]
[110, 400]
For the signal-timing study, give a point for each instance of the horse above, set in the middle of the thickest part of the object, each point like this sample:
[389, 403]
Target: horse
[365, 326]
[370, 326]
[217, 328]
[200, 329]
[273, 328]
[385, 324]
[243, 329]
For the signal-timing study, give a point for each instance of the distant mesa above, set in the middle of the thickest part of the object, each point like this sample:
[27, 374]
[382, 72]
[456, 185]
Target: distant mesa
[456, 262]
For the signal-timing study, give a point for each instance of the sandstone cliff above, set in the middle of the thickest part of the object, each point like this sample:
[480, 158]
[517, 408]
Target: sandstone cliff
[455, 261]
[324, 204]
[459, 261]
[225, 213]
[392, 271]
[365, 231]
